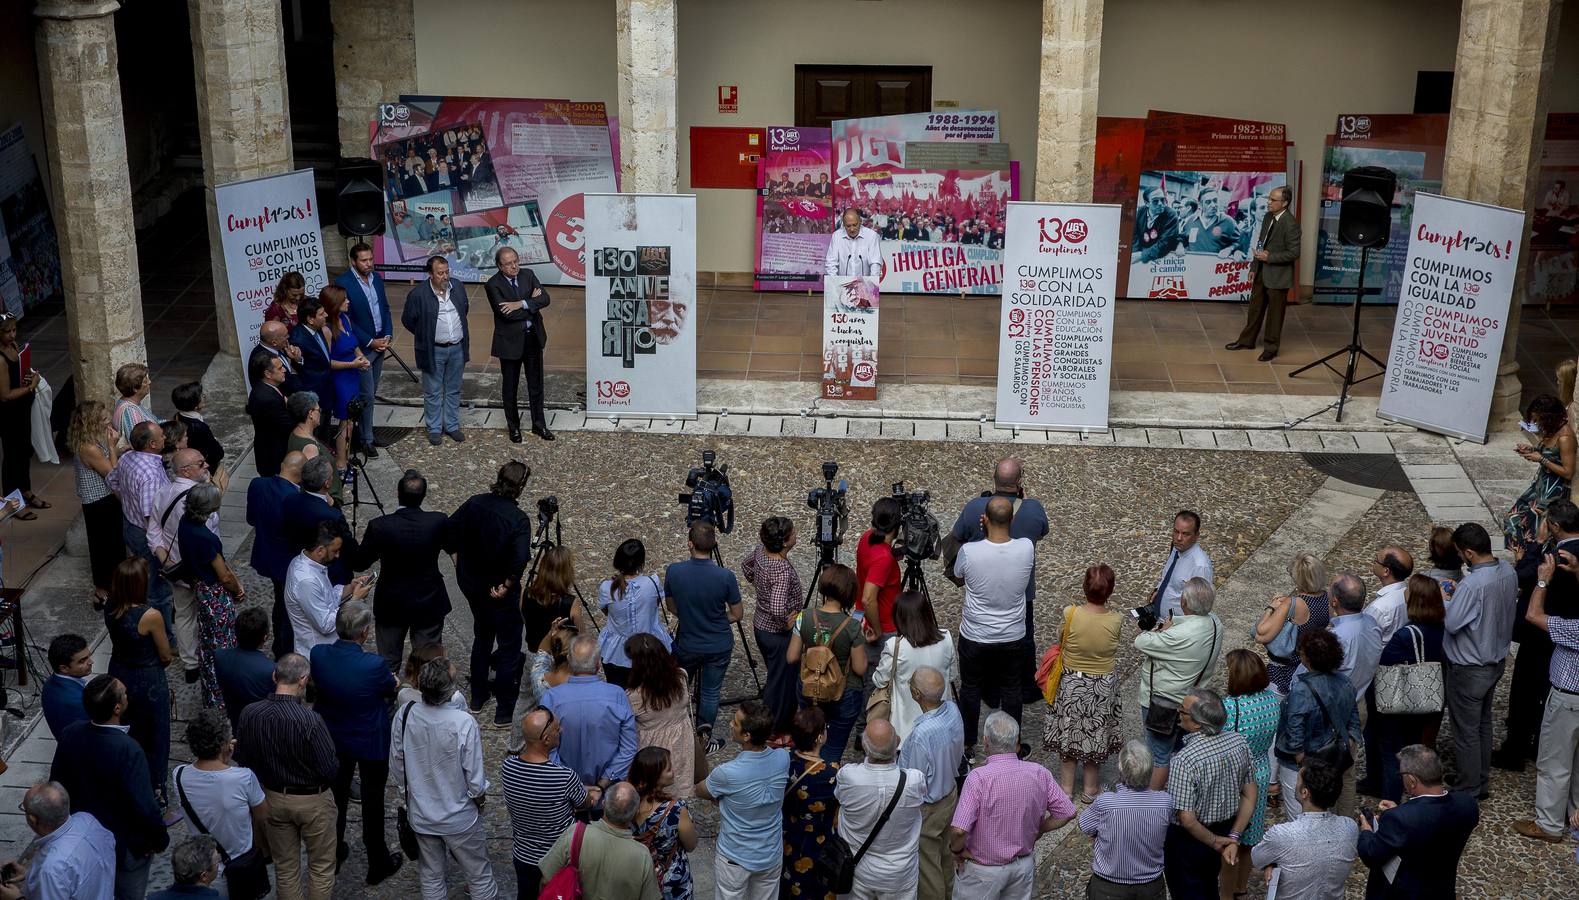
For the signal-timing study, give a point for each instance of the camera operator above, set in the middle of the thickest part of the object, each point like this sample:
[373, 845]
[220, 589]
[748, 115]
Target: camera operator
[1030, 522]
[877, 574]
[778, 599]
[491, 541]
[1179, 656]
[705, 598]
[992, 617]
[411, 596]
[1186, 560]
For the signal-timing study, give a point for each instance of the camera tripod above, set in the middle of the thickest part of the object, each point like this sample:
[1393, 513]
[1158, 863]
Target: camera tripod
[745, 644]
[827, 555]
[914, 579]
[539, 546]
[355, 473]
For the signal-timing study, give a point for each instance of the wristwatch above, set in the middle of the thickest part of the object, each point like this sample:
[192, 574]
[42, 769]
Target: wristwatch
[1540, 584]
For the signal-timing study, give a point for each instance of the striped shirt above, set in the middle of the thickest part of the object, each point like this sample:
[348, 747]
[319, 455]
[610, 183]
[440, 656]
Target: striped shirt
[1130, 828]
[542, 799]
[1002, 805]
[778, 590]
[285, 744]
[138, 477]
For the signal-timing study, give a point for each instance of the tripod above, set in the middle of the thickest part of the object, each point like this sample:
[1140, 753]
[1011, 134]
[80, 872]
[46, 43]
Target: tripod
[355, 473]
[1354, 349]
[827, 555]
[539, 546]
[914, 579]
[751, 660]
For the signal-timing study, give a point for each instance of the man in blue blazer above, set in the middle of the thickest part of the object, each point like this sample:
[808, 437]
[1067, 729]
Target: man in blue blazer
[1427, 832]
[316, 375]
[354, 690]
[272, 550]
[370, 322]
[302, 513]
[435, 314]
[245, 672]
[71, 662]
[105, 774]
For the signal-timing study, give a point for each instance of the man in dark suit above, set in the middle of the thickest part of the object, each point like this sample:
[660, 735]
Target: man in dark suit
[271, 422]
[435, 314]
[1427, 832]
[307, 337]
[1272, 275]
[518, 299]
[354, 690]
[105, 774]
[302, 513]
[274, 340]
[272, 549]
[245, 672]
[410, 595]
[371, 323]
[71, 661]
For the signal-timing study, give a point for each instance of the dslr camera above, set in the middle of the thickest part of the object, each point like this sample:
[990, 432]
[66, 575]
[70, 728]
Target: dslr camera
[828, 501]
[710, 499]
[918, 532]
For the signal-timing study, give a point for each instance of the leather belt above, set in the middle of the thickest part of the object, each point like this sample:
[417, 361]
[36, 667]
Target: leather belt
[1561, 691]
[297, 790]
[442, 344]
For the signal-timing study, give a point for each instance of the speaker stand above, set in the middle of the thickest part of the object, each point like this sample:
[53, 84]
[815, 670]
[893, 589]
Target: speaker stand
[1355, 349]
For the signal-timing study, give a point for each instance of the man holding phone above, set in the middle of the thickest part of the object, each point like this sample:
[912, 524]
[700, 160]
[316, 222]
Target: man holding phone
[1186, 560]
[74, 856]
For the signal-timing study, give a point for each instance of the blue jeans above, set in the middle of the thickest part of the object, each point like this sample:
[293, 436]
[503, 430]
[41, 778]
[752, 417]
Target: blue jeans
[160, 596]
[441, 390]
[840, 716]
[369, 378]
[712, 667]
[131, 874]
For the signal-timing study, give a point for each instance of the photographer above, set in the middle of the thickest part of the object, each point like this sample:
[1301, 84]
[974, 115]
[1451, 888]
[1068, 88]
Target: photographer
[778, 599]
[1179, 656]
[992, 617]
[705, 598]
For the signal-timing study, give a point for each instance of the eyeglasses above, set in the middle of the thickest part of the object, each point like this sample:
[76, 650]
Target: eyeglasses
[550, 724]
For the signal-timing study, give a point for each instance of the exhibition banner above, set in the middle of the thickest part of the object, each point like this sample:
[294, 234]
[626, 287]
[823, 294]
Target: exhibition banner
[849, 337]
[1412, 147]
[1120, 141]
[794, 208]
[1055, 350]
[29, 248]
[267, 227]
[641, 290]
[1447, 337]
[465, 177]
[1553, 261]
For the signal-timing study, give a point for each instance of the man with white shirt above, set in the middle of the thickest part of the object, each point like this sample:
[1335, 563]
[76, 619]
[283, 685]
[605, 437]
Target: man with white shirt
[311, 601]
[1186, 560]
[1276, 262]
[854, 249]
[992, 618]
[1392, 567]
[435, 314]
[190, 470]
[865, 791]
[934, 747]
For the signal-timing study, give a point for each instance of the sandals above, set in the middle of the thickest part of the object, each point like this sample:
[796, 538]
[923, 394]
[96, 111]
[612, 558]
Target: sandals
[36, 503]
[26, 515]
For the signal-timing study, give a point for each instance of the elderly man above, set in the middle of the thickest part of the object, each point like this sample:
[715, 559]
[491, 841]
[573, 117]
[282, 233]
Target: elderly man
[1005, 805]
[312, 601]
[541, 796]
[435, 314]
[1274, 270]
[303, 512]
[854, 249]
[73, 857]
[749, 791]
[1314, 853]
[1180, 654]
[436, 762]
[195, 864]
[271, 419]
[1130, 827]
[1413, 849]
[934, 748]
[597, 726]
[274, 343]
[138, 478]
[288, 746]
[880, 811]
[612, 865]
[272, 551]
[1213, 784]
[1479, 630]
[1392, 567]
[1357, 632]
[190, 470]
[518, 300]
[355, 689]
[1156, 227]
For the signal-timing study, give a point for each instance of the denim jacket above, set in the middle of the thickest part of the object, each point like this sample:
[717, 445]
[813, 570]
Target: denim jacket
[1303, 728]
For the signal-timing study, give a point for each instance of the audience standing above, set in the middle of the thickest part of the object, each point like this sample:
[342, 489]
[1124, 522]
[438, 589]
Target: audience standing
[195, 864]
[1130, 827]
[934, 748]
[189, 400]
[225, 802]
[880, 810]
[1479, 626]
[272, 549]
[705, 599]
[169, 508]
[1419, 641]
[95, 446]
[611, 865]
[629, 601]
[997, 571]
[1413, 848]
[1187, 560]
[662, 822]
[809, 806]
[218, 593]
[271, 418]
[598, 728]
[749, 791]
[1179, 655]
[139, 652]
[312, 600]
[410, 598]
[657, 695]
[1252, 708]
[918, 643]
[1447, 567]
[1310, 856]
[1321, 716]
[1307, 607]
[133, 384]
[1212, 782]
[541, 796]
[778, 600]
[1083, 719]
[70, 663]
[138, 477]
[1557, 761]
[245, 672]
[1527, 688]
[828, 647]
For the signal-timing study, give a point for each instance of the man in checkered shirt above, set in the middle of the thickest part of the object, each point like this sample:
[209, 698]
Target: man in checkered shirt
[1214, 794]
[138, 477]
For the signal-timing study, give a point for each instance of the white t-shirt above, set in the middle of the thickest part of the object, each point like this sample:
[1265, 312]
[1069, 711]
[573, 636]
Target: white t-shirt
[223, 800]
[995, 576]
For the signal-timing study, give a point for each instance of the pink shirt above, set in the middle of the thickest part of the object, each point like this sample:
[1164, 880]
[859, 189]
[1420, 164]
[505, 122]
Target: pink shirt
[1002, 805]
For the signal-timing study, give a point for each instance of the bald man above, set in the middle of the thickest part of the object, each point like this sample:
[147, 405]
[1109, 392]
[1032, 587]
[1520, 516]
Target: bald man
[992, 627]
[863, 790]
[190, 470]
[933, 748]
[854, 249]
[542, 797]
[1392, 567]
[274, 340]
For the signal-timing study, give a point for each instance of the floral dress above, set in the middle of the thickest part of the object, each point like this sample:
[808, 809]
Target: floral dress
[660, 832]
[1524, 519]
[1256, 717]
[809, 807]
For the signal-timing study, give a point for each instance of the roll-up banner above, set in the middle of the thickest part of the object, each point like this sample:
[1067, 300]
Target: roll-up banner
[849, 337]
[1452, 314]
[268, 226]
[641, 296]
[1055, 350]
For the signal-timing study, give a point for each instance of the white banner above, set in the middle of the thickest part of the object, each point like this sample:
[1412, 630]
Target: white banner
[1055, 344]
[641, 300]
[1452, 313]
[268, 226]
[849, 337]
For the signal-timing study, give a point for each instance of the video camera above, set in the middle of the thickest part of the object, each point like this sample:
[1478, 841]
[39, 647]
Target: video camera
[828, 501]
[710, 499]
[919, 537]
[547, 509]
[354, 408]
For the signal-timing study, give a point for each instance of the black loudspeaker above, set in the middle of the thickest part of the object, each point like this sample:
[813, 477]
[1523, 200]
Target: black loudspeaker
[359, 197]
[1365, 215]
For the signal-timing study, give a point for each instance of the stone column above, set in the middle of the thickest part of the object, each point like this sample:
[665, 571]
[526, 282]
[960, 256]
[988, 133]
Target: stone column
[1066, 127]
[86, 146]
[375, 60]
[243, 114]
[1501, 78]
[648, 42]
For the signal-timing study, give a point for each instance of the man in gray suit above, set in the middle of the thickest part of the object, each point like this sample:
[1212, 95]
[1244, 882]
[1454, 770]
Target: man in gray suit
[1272, 275]
[435, 314]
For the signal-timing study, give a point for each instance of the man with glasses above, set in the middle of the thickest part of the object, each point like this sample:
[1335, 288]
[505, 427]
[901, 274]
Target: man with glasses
[190, 470]
[541, 796]
[518, 299]
[1276, 256]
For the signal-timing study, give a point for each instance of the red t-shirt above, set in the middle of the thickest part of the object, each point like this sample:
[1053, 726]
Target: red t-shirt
[875, 564]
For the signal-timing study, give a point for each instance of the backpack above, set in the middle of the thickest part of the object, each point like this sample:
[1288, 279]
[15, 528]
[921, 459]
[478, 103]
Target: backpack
[566, 883]
[821, 677]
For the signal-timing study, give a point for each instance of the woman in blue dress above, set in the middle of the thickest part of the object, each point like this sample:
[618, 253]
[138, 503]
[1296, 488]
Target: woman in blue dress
[346, 363]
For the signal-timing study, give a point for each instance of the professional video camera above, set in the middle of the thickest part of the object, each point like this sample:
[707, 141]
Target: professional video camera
[547, 509]
[354, 408]
[918, 536]
[828, 501]
[710, 499]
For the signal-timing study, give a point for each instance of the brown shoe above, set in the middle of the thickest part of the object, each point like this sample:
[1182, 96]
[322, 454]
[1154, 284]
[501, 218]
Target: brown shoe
[1529, 829]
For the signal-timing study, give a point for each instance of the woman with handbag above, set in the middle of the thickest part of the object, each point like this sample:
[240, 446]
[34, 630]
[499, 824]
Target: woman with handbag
[919, 643]
[1318, 701]
[1083, 719]
[1284, 621]
[631, 605]
[1409, 676]
[663, 824]
[809, 808]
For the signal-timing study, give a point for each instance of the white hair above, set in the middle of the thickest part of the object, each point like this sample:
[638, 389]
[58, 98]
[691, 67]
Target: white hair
[1001, 733]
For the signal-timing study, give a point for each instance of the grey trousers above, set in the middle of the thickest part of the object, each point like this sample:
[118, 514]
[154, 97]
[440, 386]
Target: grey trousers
[1469, 692]
[391, 640]
[1557, 763]
[469, 851]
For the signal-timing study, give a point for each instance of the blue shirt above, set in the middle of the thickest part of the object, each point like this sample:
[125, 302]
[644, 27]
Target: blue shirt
[1361, 639]
[750, 794]
[1480, 618]
[597, 737]
[245, 677]
[934, 748]
[1130, 828]
[74, 862]
[1029, 522]
[702, 590]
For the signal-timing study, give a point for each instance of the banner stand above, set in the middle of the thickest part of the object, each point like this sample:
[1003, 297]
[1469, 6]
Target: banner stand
[849, 337]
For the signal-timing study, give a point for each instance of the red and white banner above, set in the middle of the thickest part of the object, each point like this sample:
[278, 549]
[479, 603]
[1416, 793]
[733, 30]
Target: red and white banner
[849, 338]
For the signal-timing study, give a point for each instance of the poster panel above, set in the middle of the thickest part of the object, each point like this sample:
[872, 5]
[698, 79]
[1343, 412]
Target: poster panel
[1120, 141]
[1447, 337]
[267, 227]
[1553, 273]
[465, 177]
[641, 294]
[1055, 350]
[849, 337]
[794, 208]
[29, 248]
